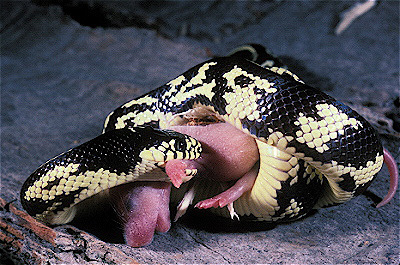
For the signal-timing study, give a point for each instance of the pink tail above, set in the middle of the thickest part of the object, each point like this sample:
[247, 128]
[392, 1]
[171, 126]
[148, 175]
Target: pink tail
[394, 177]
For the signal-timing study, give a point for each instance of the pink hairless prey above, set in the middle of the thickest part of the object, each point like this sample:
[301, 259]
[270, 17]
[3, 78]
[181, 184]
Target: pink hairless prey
[231, 156]
[245, 179]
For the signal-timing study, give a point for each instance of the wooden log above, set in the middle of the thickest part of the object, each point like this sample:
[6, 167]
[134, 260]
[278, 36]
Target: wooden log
[28, 241]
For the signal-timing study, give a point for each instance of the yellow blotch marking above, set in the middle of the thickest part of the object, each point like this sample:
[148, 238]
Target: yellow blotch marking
[170, 155]
[143, 100]
[281, 70]
[143, 117]
[69, 183]
[162, 148]
[80, 178]
[45, 178]
[293, 209]
[138, 118]
[241, 102]
[333, 173]
[366, 174]
[176, 82]
[152, 154]
[275, 166]
[182, 95]
[316, 133]
[308, 137]
[38, 187]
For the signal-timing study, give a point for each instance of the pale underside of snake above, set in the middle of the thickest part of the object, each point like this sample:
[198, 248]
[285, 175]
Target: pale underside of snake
[273, 148]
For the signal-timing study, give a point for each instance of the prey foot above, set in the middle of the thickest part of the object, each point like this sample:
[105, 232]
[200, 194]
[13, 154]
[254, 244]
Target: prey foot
[227, 197]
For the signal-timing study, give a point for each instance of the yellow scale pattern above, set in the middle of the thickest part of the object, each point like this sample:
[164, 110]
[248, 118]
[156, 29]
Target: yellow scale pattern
[242, 101]
[93, 181]
[276, 166]
[166, 151]
[333, 171]
[293, 209]
[264, 194]
[312, 173]
[277, 161]
[242, 104]
[333, 123]
[317, 133]
[281, 70]
[140, 118]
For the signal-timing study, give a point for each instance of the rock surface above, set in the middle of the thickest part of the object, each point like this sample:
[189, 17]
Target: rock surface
[59, 80]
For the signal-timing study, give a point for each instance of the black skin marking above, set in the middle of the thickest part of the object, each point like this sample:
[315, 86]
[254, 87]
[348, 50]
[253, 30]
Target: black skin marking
[280, 110]
[116, 150]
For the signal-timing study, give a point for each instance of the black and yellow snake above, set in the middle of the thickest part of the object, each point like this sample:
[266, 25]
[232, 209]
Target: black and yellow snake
[313, 151]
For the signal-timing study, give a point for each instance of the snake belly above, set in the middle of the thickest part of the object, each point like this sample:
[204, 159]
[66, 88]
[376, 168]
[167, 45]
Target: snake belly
[314, 150]
[52, 192]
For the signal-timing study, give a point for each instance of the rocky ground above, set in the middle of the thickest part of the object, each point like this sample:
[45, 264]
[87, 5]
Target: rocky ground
[64, 67]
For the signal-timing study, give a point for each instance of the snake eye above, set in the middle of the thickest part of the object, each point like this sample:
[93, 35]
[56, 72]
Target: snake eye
[180, 145]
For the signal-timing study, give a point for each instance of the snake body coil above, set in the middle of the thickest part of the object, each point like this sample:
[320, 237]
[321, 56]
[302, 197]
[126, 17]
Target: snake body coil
[314, 151]
[111, 159]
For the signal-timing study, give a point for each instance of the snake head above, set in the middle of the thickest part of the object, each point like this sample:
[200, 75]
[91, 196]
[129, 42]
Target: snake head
[111, 159]
[165, 145]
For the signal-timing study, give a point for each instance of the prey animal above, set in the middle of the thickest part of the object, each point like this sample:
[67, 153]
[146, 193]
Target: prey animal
[240, 134]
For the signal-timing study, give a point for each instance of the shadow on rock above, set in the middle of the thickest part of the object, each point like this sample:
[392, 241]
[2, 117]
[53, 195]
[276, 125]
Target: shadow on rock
[102, 222]
[204, 220]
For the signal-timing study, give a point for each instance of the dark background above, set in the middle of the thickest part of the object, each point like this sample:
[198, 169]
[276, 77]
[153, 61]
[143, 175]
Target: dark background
[66, 64]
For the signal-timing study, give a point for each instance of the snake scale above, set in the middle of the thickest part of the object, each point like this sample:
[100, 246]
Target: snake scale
[313, 150]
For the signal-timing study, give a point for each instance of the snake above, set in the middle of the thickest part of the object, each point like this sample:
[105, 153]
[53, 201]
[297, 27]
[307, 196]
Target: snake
[111, 159]
[314, 151]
